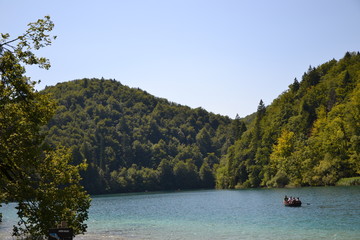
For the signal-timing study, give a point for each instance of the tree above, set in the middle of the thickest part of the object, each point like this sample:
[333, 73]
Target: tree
[238, 127]
[166, 175]
[281, 161]
[42, 181]
[50, 198]
[260, 113]
[295, 86]
[186, 176]
[206, 176]
[203, 140]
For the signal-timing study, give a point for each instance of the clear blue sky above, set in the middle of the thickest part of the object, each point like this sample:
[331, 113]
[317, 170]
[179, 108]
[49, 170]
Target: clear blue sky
[223, 55]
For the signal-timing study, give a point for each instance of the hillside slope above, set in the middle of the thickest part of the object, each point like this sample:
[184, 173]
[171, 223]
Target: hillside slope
[309, 135]
[134, 141]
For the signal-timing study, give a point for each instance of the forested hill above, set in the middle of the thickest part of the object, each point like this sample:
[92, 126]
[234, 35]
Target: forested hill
[134, 141]
[309, 135]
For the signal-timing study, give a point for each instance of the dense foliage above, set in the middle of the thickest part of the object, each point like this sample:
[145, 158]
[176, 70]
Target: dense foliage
[40, 179]
[134, 141]
[309, 135]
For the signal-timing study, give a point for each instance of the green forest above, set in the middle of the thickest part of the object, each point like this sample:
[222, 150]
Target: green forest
[133, 141]
[308, 136]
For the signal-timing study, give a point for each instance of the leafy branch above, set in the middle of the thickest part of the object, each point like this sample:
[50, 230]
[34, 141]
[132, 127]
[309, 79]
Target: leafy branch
[35, 37]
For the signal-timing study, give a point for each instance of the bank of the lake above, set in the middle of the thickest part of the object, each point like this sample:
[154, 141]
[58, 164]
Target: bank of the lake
[327, 213]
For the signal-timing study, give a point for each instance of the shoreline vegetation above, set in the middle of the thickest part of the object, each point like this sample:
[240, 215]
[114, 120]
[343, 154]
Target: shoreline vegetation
[354, 181]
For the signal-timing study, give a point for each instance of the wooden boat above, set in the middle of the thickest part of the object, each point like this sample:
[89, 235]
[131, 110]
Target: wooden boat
[292, 203]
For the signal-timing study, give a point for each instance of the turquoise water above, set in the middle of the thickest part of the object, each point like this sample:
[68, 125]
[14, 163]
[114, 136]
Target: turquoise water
[327, 213]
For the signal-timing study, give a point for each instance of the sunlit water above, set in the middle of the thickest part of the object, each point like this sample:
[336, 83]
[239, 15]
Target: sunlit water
[327, 213]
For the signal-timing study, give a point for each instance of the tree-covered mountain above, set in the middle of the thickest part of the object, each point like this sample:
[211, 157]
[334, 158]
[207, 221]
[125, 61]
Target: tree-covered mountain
[134, 141]
[309, 135]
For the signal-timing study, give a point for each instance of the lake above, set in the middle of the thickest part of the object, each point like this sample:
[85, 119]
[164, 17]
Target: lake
[327, 213]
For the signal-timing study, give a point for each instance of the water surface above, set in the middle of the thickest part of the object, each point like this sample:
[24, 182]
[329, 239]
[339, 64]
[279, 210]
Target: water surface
[327, 213]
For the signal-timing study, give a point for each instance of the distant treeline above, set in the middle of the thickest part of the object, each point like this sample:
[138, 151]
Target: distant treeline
[133, 141]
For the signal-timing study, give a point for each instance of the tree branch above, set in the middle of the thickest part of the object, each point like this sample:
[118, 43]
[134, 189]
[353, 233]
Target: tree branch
[8, 42]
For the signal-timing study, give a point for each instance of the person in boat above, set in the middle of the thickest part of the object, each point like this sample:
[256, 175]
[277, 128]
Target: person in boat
[286, 198]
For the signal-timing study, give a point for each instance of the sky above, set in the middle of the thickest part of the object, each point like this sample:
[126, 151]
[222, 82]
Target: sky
[222, 55]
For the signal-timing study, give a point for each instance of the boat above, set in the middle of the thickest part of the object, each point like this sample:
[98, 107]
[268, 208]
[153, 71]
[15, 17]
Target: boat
[292, 202]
